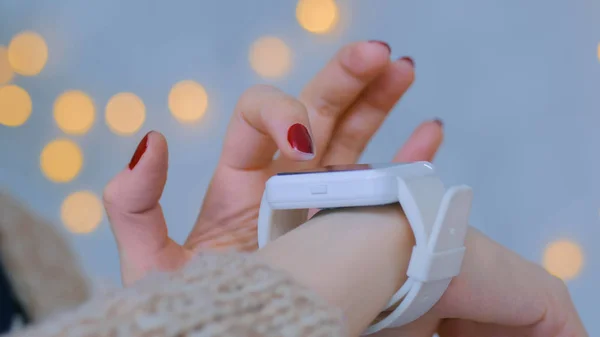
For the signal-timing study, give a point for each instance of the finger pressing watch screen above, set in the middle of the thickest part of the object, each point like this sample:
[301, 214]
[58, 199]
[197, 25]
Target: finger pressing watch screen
[342, 168]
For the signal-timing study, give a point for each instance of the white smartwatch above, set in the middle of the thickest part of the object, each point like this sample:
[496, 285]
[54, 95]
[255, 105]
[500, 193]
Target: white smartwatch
[437, 216]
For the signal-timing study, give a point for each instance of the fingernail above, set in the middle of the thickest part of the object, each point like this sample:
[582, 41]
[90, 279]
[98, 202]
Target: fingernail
[383, 44]
[409, 60]
[299, 138]
[439, 122]
[137, 155]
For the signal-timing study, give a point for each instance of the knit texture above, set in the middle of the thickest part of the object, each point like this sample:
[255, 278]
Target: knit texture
[214, 295]
[41, 267]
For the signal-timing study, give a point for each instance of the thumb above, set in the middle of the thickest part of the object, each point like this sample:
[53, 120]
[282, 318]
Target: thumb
[137, 221]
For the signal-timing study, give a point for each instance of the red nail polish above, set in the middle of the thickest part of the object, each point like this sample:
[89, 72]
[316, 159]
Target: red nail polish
[299, 138]
[383, 44]
[139, 151]
[409, 60]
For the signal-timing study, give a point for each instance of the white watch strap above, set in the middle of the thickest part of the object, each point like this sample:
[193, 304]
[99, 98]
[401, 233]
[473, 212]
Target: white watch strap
[439, 220]
[278, 221]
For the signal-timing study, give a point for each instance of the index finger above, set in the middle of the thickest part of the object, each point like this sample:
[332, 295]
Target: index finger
[266, 120]
[329, 94]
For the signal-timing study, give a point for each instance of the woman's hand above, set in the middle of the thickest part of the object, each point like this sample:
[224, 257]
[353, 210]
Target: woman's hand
[357, 259]
[497, 293]
[331, 122]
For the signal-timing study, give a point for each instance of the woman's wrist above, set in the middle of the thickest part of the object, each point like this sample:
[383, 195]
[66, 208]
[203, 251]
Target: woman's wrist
[355, 258]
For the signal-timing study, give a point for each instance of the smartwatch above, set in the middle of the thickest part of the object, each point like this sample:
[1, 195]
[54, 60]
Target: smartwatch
[438, 217]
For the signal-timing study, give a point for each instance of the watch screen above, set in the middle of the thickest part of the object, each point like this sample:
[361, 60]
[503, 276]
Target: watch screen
[341, 168]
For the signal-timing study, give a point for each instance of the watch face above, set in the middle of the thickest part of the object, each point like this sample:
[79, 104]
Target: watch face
[342, 168]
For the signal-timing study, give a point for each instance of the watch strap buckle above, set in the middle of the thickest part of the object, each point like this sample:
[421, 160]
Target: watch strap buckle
[433, 262]
[426, 266]
[442, 257]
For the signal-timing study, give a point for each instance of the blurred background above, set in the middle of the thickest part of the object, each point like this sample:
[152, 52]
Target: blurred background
[517, 84]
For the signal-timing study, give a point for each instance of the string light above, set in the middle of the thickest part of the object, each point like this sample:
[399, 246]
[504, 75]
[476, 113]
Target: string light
[74, 112]
[563, 259]
[27, 53]
[125, 113]
[81, 212]
[317, 16]
[6, 72]
[61, 160]
[15, 105]
[270, 57]
[188, 101]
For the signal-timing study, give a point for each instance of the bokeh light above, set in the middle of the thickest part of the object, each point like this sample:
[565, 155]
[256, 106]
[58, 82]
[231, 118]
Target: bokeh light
[125, 113]
[81, 212]
[563, 259]
[270, 57]
[74, 112]
[317, 16]
[6, 72]
[15, 105]
[188, 101]
[28, 53]
[61, 160]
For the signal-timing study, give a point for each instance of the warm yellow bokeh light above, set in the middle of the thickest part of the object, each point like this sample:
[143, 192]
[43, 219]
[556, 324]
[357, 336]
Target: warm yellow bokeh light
[125, 113]
[6, 72]
[81, 212]
[317, 16]
[563, 259]
[188, 101]
[61, 160]
[270, 57]
[15, 105]
[28, 53]
[74, 112]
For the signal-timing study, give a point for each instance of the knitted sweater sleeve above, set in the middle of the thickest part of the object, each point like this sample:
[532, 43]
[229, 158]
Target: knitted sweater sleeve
[214, 295]
[43, 271]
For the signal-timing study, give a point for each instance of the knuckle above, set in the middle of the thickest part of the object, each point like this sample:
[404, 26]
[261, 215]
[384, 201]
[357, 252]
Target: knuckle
[251, 94]
[352, 61]
[288, 105]
[332, 104]
[351, 144]
[328, 107]
[354, 136]
[359, 64]
[109, 196]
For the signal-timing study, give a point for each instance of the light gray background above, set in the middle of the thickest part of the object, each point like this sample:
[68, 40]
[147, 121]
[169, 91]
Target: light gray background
[516, 82]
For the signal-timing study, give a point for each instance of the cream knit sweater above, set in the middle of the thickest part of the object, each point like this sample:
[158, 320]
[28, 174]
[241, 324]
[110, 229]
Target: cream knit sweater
[214, 295]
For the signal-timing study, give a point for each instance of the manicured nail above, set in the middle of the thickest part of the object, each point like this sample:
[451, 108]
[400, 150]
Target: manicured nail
[299, 138]
[137, 155]
[439, 122]
[409, 60]
[383, 44]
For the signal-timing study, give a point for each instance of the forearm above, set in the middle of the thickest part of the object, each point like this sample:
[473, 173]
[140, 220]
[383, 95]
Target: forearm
[354, 258]
[214, 295]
